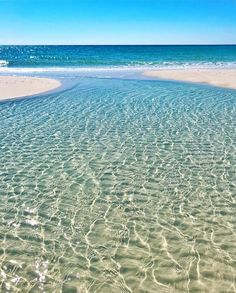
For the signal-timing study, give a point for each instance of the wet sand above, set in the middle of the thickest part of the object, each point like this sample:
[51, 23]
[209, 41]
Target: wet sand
[217, 77]
[21, 86]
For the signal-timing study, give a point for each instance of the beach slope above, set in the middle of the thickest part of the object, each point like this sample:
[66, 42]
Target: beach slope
[21, 86]
[217, 77]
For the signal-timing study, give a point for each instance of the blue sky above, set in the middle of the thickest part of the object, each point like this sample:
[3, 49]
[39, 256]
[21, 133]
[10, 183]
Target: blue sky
[117, 21]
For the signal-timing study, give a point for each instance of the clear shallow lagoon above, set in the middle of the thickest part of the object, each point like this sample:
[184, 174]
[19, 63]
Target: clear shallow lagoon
[119, 186]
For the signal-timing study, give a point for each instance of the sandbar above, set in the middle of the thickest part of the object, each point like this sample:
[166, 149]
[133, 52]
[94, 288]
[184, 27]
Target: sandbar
[216, 77]
[22, 86]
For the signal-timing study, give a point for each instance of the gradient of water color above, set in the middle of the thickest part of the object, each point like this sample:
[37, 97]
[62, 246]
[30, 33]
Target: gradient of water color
[119, 186]
[105, 57]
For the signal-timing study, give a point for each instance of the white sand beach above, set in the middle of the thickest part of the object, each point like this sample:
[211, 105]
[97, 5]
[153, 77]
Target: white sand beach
[20, 86]
[217, 77]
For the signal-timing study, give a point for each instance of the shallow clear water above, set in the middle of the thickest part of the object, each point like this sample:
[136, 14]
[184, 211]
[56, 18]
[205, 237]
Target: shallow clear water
[119, 186]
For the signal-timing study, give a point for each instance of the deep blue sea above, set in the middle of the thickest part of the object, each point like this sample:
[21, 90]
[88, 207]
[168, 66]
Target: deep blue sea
[118, 185]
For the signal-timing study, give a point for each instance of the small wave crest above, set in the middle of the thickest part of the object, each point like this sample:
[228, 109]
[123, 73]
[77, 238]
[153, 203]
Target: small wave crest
[3, 63]
[131, 67]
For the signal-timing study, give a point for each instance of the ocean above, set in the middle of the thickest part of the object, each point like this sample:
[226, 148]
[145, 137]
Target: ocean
[116, 57]
[118, 184]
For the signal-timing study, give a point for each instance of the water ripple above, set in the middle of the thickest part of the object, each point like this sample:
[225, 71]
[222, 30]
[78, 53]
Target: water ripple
[119, 186]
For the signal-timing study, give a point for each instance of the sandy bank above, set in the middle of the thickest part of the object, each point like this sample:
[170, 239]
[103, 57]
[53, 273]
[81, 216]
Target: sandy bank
[20, 86]
[216, 77]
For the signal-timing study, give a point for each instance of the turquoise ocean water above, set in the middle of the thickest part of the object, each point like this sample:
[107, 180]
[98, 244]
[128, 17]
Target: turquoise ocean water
[125, 57]
[118, 184]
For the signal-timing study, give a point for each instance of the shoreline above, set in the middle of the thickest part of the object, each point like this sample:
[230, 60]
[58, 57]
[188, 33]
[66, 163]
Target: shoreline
[225, 78]
[12, 87]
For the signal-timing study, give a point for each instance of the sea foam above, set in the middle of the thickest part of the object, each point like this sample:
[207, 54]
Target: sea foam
[3, 63]
[133, 67]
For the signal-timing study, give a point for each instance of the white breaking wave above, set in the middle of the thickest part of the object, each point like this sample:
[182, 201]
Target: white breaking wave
[3, 63]
[144, 67]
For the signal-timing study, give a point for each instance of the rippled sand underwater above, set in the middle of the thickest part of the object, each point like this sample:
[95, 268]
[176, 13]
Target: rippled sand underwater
[119, 186]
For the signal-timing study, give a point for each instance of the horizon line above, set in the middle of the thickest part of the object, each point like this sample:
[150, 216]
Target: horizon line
[211, 44]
